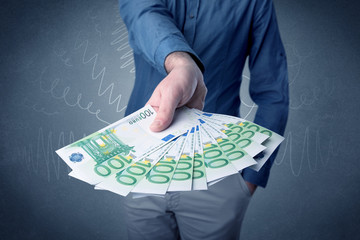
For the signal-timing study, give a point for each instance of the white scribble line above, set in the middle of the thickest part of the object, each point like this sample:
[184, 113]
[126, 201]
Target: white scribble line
[247, 105]
[44, 152]
[122, 27]
[122, 39]
[100, 74]
[299, 63]
[304, 101]
[64, 95]
[61, 53]
[314, 94]
[97, 29]
[47, 154]
[34, 107]
[129, 62]
[127, 55]
[250, 110]
[306, 153]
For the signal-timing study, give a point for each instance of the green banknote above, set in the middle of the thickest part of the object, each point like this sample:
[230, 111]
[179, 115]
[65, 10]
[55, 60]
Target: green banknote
[237, 156]
[182, 178]
[199, 173]
[158, 179]
[244, 141]
[217, 164]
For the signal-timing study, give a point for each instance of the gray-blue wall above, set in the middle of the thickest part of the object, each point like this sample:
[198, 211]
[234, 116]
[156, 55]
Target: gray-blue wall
[59, 57]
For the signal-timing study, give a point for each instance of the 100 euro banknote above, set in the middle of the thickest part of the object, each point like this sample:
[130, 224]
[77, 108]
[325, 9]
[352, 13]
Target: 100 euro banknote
[114, 148]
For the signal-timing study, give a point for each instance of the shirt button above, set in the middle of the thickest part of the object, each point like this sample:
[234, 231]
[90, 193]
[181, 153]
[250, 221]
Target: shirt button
[191, 16]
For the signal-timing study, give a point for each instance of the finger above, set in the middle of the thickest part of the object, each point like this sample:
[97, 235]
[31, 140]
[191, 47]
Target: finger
[196, 103]
[198, 100]
[154, 100]
[155, 107]
[165, 114]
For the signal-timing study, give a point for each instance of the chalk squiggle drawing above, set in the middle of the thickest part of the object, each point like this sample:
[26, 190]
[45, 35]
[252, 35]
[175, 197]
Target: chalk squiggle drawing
[42, 153]
[93, 60]
[35, 107]
[100, 74]
[252, 107]
[122, 39]
[64, 96]
[312, 163]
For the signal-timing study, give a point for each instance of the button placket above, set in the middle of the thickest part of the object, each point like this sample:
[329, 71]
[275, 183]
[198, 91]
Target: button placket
[190, 24]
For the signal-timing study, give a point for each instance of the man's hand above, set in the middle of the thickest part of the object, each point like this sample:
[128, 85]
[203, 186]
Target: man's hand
[184, 85]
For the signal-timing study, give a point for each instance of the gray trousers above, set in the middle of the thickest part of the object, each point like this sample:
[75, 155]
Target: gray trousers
[213, 214]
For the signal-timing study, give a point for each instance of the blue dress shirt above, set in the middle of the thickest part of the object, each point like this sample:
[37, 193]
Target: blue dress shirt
[220, 35]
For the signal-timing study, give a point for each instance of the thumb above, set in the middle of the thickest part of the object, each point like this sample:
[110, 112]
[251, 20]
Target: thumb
[165, 114]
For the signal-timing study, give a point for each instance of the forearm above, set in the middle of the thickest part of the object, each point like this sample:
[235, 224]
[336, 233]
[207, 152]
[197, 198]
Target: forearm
[269, 87]
[153, 33]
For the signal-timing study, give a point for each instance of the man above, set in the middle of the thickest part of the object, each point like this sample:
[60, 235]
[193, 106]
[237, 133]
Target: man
[192, 52]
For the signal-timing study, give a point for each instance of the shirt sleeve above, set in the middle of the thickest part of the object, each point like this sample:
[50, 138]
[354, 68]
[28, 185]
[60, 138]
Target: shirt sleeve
[153, 33]
[268, 80]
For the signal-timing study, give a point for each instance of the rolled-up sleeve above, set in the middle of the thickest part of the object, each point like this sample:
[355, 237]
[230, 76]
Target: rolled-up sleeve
[268, 80]
[153, 33]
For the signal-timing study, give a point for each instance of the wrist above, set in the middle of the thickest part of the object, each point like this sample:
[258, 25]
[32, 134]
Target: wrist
[179, 59]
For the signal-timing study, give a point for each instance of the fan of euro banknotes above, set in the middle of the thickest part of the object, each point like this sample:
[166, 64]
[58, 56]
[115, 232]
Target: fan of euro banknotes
[197, 150]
